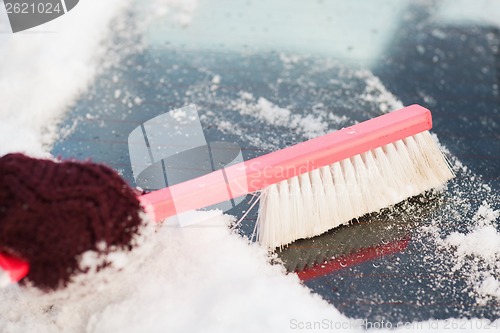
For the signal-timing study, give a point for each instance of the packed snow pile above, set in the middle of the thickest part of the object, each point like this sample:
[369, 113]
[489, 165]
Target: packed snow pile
[44, 69]
[182, 280]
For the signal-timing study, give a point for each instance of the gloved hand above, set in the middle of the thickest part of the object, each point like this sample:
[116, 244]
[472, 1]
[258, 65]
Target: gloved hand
[53, 212]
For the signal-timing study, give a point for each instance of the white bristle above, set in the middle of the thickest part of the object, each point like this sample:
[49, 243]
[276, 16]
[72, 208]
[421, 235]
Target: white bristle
[312, 203]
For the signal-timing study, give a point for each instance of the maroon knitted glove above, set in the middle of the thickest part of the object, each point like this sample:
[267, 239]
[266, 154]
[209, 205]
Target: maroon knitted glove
[51, 213]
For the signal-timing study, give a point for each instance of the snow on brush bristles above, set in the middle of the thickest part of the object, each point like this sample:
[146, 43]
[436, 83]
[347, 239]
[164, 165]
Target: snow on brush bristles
[312, 203]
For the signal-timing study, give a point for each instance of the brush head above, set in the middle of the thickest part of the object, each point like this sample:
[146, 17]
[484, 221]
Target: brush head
[51, 213]
[315, 202]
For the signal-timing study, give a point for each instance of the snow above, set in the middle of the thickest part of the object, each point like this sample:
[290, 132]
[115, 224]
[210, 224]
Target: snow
[183, 280]
[4, 278]
[483, 242]
[490, 286]
[477, 251]
[35, 91]
[310, 125]
[197, 278]
[216, 79]
[377, 93]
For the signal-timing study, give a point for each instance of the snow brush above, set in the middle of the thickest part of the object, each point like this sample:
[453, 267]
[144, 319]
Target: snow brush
[306, 189]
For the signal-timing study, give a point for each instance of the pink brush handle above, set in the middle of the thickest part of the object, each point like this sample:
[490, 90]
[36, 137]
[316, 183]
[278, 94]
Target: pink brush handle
[258, 173]
[15, 268]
